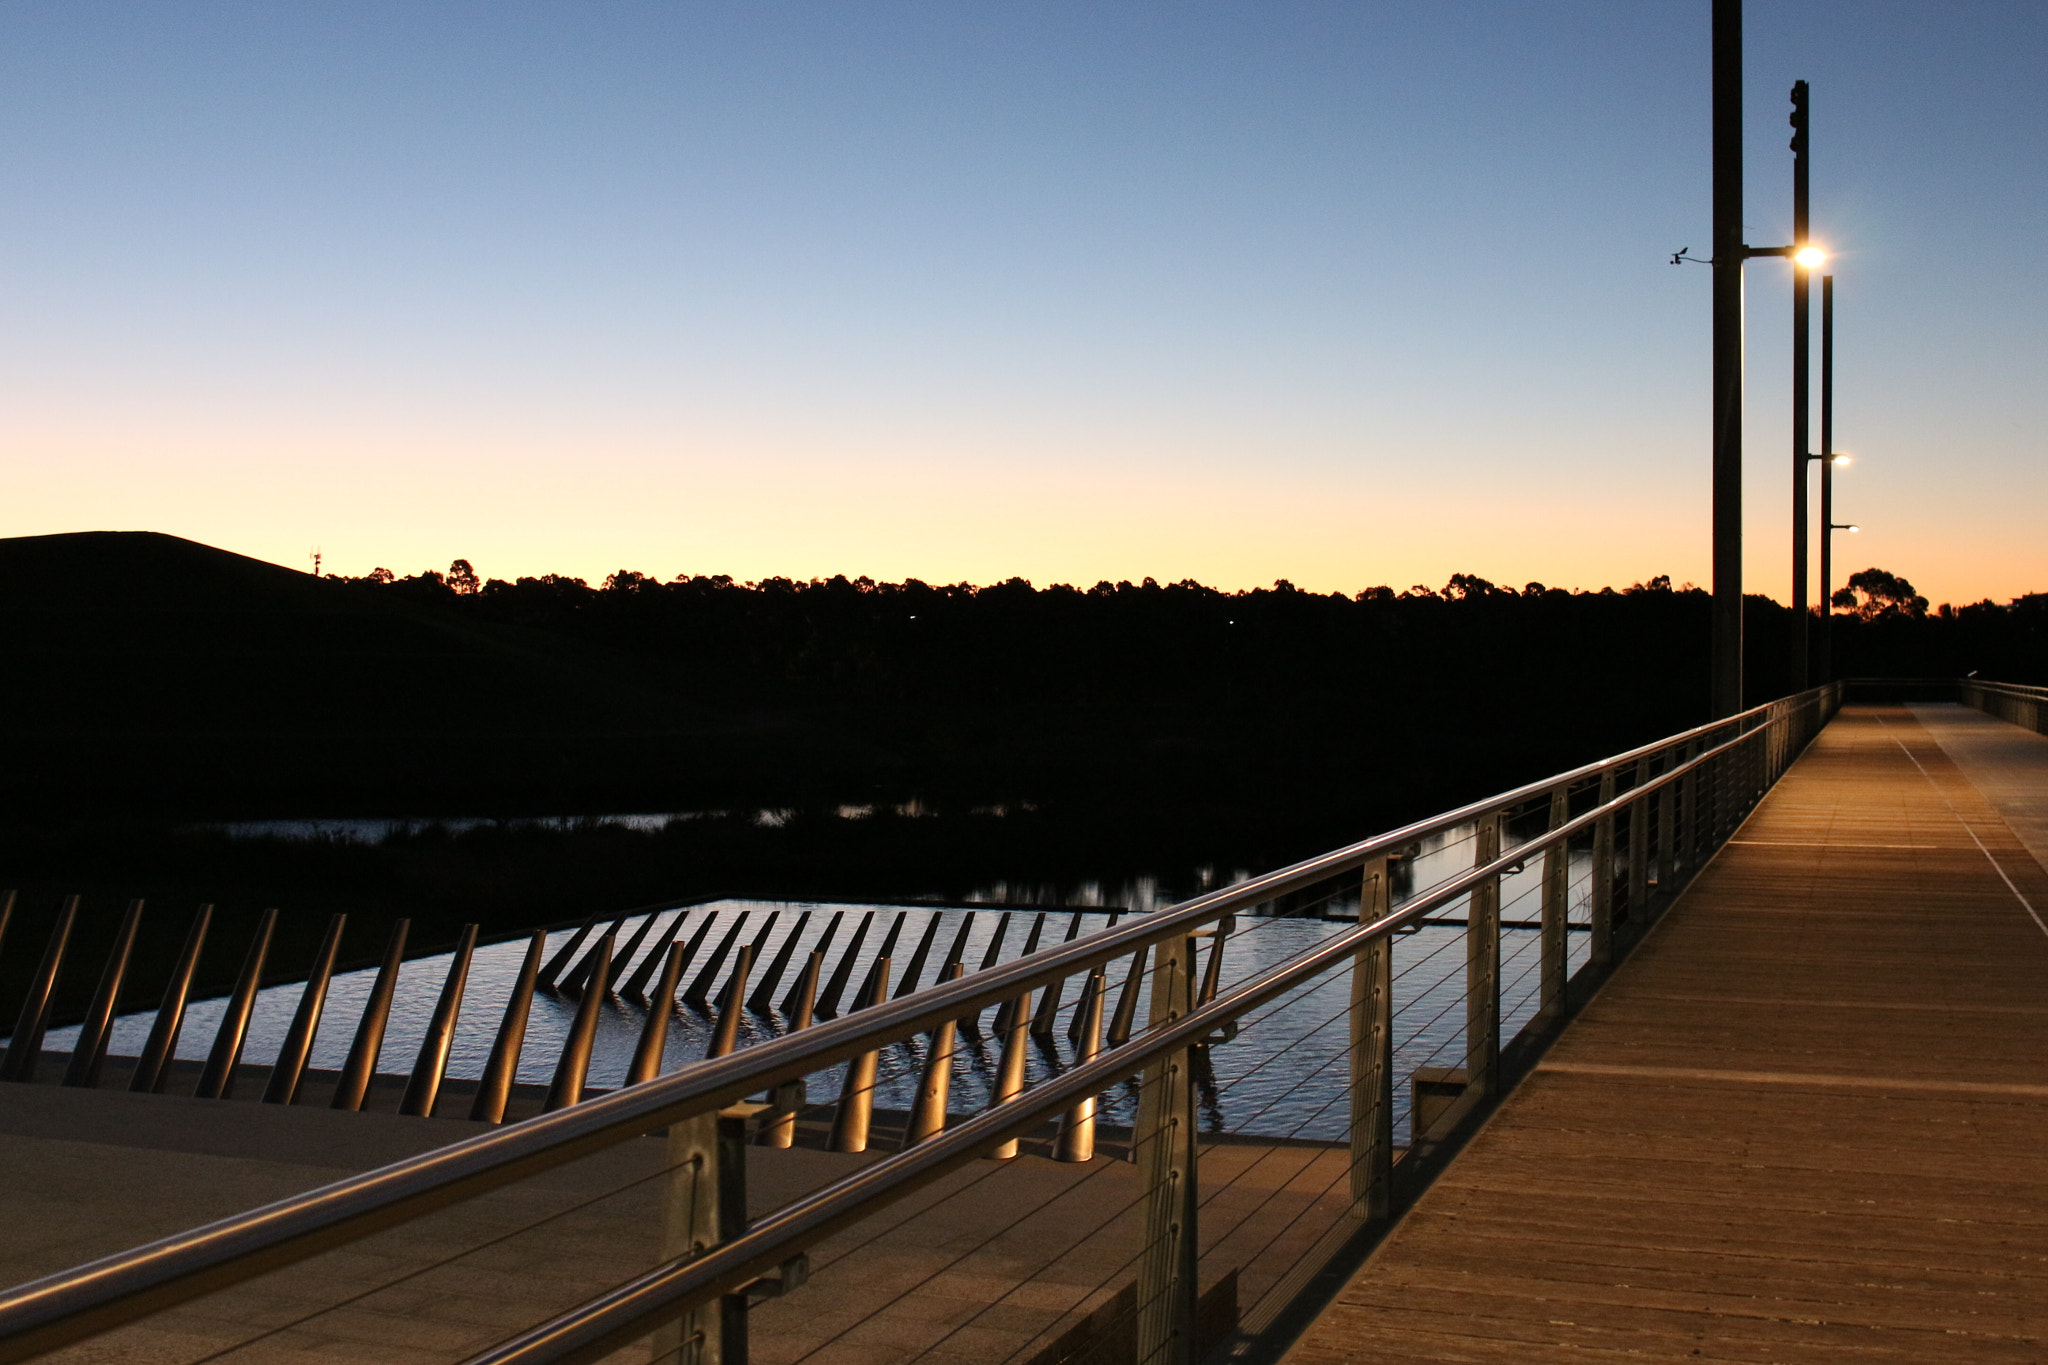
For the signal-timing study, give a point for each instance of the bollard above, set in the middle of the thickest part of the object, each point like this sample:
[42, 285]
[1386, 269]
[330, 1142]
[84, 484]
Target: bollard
[763, 998]
[495, 1087]
[908, 981]
[1010, 1071]
[1482, 959]
[699, 990]
[758, 949]
[1372, 1055]
[26, 1044]
[935, 1084]
[1603, 877]
[1556, 913]
[779, 1128]
[1127, 1000]
[586, 976]
[828, 1000]
[625, 956]
[289, 1070]
[552, 973]
[1003, 1020]
[957, 954]
[888, 948]
[656, 959]
[1077, 1125]
[217, 1080]
[152, 1068]
[1164, 1148]
[368, 1046]
[1047, 1017]
[856, 1112]
[821, 947]
[726, 1035]
[653, 1045]
[431, 1065]
[696, 942]
[90, 1051]
[572, 1068]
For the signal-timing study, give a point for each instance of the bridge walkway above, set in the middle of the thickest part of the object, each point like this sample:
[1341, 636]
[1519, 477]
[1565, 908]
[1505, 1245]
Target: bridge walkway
[1806, 1121]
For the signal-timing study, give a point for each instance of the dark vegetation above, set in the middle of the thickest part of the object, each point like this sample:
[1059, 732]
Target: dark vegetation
[997, 732]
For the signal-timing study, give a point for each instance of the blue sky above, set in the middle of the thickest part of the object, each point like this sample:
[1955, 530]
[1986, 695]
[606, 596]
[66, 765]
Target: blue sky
[1342, 293]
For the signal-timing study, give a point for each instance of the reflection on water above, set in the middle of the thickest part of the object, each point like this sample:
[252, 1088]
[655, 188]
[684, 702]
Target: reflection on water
[1283, 1075]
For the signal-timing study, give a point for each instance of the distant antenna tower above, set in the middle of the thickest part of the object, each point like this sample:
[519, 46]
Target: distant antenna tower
[316, 561]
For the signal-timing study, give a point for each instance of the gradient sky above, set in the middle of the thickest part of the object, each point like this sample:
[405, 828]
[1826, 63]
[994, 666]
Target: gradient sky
[1346, 293]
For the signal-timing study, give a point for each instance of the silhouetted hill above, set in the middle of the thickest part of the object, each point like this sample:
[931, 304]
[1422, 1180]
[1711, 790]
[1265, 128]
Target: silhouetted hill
[147, 673]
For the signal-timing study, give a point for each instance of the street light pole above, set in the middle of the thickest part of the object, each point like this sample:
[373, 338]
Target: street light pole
[1802, 330]
[1727, 346]
[1826, 670]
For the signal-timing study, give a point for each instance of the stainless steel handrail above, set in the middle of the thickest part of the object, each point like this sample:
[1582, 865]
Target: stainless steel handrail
[595, 1329]
[104, 1294]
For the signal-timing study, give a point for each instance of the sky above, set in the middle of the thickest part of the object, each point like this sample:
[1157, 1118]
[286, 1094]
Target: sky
[1343, 293]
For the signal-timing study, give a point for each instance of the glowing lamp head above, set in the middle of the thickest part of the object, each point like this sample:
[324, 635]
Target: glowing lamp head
[1838, 460]
[1852, 529]
[1810, 256]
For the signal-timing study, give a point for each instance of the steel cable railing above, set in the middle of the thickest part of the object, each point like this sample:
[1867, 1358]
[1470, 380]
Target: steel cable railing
[1607, 825]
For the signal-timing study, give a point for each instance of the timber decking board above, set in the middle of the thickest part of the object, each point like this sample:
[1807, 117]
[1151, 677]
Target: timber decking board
[1806, 1121]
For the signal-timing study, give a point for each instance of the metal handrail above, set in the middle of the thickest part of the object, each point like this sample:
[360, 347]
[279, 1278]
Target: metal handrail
[96, 1297]
[595, 1329]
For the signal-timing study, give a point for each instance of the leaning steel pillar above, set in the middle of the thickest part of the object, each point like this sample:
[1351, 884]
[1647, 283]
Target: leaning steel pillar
[1727, 346]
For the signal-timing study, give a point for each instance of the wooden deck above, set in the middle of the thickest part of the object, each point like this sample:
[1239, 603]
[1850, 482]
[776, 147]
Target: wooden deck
[1807, 1121]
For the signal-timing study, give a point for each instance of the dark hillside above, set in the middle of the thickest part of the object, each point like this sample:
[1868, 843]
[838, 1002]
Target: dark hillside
[149, 674]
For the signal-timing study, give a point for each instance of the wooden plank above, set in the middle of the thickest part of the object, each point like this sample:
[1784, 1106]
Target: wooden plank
[1807, 1121]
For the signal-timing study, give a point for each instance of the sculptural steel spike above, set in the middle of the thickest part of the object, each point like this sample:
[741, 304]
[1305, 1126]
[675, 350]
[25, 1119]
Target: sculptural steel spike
[153, 1068]
[289, 1070]
[354, 1084]
[90, 1051]
[424, 1086]
[494, 1090]
[217, 1080]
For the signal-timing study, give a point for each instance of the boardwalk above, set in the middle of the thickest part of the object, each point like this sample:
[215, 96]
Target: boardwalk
[1807, 1121]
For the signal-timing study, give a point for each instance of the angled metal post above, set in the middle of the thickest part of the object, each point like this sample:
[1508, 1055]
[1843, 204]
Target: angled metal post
[217, 1081]
[1127, 1000]
[855, 1116]
[90, 1052]
[763, 998]
[567, 954]
[820, 948]
[654, 1032]
[363, 1053]
[732, 1002]
[424, 1087]
[289, 1071]
[153, 1067]
[1163, 1145]
[656, 959]
[698, 993]
[1010, 1071]
[1372, 1055]
[494, 1090]
[835, 987]
[935, 1082]
[908, 982]
[572, 1068]
[25, 1045]
[1077, 1125]
[625, 957]
[778, 1128]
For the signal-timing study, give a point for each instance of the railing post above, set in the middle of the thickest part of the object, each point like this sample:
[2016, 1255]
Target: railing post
[1639, 845]
[1164, 1145]
[1010, 1070]
[1372, 1056]
[1688, 811]
[1557, 903]
[854, 1118]
[1602, 899]
[935, 1082]
[706, 1206]
[1077, 1126]
[1667, 835]
[1482, 961]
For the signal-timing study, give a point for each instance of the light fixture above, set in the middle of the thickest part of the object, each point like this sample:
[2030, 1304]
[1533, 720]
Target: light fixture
[1809, 256]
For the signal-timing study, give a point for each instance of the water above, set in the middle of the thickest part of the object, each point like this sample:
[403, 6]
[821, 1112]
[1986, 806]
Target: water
[1283, 1076]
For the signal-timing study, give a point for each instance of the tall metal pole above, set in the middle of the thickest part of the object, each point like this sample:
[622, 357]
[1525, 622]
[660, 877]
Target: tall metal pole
[1728, 257]
[1802, 449]
[1826, 670]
